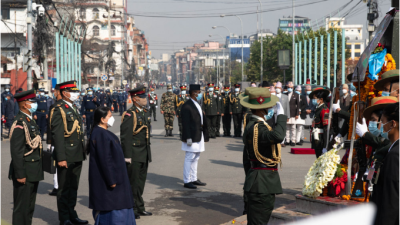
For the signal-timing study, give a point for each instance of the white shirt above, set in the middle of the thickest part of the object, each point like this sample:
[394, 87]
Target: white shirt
[196, 146]
[69, 103]
[30, 117]
[258, 118]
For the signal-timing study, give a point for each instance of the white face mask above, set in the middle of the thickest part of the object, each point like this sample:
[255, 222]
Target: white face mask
[184, 92]
[273, 93]
[278, 90]
[7, 89]
[344, 91]
[90, 92]
[110, 121]
[73, 96]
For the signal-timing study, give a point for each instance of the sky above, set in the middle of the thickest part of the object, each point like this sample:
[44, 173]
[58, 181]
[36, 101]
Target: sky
[165, 33]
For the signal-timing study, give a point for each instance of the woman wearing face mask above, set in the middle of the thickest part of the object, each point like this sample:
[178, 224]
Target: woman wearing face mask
[110, 194]
[386, 191]
[321, 119]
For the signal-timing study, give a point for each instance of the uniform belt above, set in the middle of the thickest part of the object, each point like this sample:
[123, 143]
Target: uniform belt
[42, 111]
[255, 165]
[320, 131]
[89, 110]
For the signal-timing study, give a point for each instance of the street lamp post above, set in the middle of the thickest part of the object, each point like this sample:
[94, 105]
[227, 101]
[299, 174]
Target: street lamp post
[241, 24]
[261, 66]
[230, 67]
[223, 65]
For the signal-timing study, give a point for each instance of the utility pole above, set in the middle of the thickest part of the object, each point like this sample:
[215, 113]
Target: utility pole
[29, 30]
[261, 31]
[293, 26]
[15, 50]
[45, 66]
[371, 18]
[122, 61]
[109, 39]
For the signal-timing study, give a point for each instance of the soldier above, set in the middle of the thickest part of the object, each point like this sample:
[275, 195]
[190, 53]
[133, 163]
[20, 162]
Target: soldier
[126, 98]
[227, 118]
[180, 100]
[26, 159]
[114, 100]
[168, 109]
[220, 111]
[236, 110]
[67, 133]
[108, 98]
[153, 102]
[264, 152]
[41, 113]
[89, 104]
[135, 141]
[210, 107]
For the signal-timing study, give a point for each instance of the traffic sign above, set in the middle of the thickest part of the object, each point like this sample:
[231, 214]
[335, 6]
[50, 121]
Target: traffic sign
[104, 77]
[124, 82]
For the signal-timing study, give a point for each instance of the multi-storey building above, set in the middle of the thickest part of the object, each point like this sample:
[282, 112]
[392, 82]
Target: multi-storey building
[301, 24]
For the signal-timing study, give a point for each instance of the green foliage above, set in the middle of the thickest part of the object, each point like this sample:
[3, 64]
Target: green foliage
[339, 172]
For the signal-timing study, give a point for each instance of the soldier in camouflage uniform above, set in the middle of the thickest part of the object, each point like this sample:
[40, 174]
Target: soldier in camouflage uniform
[168, 109]
[180, 99]
[211, 107]
[220, 110]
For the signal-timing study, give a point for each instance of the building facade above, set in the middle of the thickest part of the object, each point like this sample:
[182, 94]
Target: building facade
[301, 24]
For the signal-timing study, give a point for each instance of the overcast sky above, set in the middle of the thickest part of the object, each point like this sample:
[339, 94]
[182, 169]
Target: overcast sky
[165, 35]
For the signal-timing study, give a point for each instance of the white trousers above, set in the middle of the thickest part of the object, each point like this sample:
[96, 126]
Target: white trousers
[299, 132]
[55, 175]
[291, 133]
[190, 166]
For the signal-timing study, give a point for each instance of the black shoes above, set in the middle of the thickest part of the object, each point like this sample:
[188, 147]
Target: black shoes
[145, 213]
[53, 192]
[166, 133]
[79, 221]
[137, 216]
[299, 143]
[292, 144]
[155, 119]
[218, 135]
[67, 222]
[287, 143]
[189, 185]
[170, 133]
[199, 183]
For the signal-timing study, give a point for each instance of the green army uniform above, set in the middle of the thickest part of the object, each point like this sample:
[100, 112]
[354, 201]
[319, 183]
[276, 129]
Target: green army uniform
[168, 106]
[69, 147]
[180, 100]
[135, 141]
[227, 118]
[211, 108]
[153, 102]
[26, 162]
[221, 111]
[237, 111]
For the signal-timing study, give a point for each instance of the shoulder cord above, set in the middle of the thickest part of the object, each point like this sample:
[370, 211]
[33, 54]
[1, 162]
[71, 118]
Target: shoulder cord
[74, 127]
[135, 124]
[33, 143]
[230, 98]
[275, 158]
[180, 103]
[206, 100]
[244, 121]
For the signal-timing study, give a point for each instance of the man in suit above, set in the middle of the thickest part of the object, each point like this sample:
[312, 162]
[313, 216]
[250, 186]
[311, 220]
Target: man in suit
[300, 122]
[194, 134]
[294, 109]
[308, 110]
[283, 99]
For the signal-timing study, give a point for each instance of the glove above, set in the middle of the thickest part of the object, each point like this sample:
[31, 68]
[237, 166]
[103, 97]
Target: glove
[156, 106]
[335, 106]
[324, 150]
[279, 109]
[361, 129]
[338, 138]
[128, 160]
[48, 147]
[189, 142]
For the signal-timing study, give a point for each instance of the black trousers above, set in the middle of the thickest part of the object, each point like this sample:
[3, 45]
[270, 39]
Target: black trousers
[41, 122]
[121, 108]
[318, 146]
[24, 196]
[212, 124]
[259, 208]
[218, 125]
[153, 111]
[226, 123]
[237, 123]
[125, 105]
[68, 182]
[89, 122]
[137, 173]
[115, 105]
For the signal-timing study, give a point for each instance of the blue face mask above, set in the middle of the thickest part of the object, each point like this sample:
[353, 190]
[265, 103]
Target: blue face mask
[352, 93]
[373, 128]
[270, 114]
[33, 107]
[90, 93]
[211, 89]
[83, 94]
[308, 92]
[290, 90]
[385, 93]
[314, 101]
[237, 89]
[184, 92]
[198, 97]
[5, 99]
[385, 134]
[298, 92]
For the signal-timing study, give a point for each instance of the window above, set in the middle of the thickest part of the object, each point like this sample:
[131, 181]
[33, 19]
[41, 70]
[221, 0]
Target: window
[357, 54]
[359, 31]
[5, 13]
[113, 30]
[357, 46]
[96, 31]
[338, 23]
[348, 46]
[82, 14]
[347, 38]
[356, 38]
[95, 13]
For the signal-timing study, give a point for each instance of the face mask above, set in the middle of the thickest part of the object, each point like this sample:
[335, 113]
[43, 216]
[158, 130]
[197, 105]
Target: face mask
[385, 134]
[74, 96]
[7, 90]
[110, 121]
[285, 92]
[169, 90]
[373, 128]
[298, 92]
[273, 93]
[33, 107]
[211, 89]
[41, 93]
[278, 91]
[270, 114]
[152, 92]
[90, 92]
[385, 93]
[226, 92]
[198, 97]
[329, 95]
[184, 92]
[308, 92]
[352, 94]
[83, 94]
[237, 89]
[6, 99]
[290, 90]
[344, 91]
[314, 101]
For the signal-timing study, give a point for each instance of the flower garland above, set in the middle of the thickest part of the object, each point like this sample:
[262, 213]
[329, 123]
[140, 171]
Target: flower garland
[321, 172]
[339, 181]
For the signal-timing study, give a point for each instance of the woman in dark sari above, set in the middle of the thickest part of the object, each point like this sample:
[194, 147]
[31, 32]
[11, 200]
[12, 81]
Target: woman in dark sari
[110, 194]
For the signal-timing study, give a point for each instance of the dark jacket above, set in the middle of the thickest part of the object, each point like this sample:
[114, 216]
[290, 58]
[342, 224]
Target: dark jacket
[294, 105]
[49, 139]
[310, 105]
[9, 112]
[191, 123]
[386, 191]
[107, 167]
[303, 106]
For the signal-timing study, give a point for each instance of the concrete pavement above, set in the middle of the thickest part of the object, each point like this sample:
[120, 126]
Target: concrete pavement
[220, 166]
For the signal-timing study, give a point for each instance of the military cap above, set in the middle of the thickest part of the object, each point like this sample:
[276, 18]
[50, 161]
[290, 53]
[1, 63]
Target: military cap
[246, 92]
[41, 90]
[317, 90]
[169, 86]
[226, 88]
[389, 76]
[69, 85]
[210, 85]
[216, 88]
[29, 95]
[139, 91]
[183, 88]
[237, 85]
[379, 103]
[89, 89]
[259, 98]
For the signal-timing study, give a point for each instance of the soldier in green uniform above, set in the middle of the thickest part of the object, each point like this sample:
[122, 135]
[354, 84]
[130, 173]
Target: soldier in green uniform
[236, 110]
[168, 109]
[220, 110]
[211, 107]
[135, 141]
[262, 145]
[180, 100]
[67, 133]
[227, 118]
[153, 102]
[26, 158]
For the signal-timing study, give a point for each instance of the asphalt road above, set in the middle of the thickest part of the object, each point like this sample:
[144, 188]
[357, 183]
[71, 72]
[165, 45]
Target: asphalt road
[220, 166]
